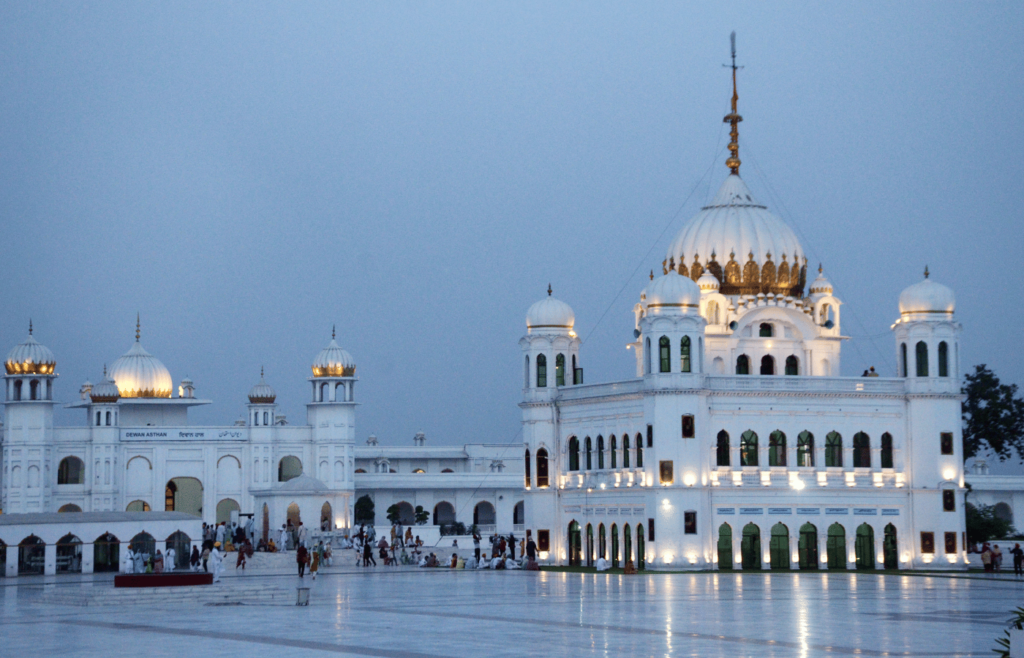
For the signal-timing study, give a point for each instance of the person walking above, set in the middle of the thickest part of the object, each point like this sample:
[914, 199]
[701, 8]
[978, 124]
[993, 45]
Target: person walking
[206, 560]
[1018, 560]
[511, 546]
[218, 561]
[997, 558]
[220, 534]
[368, 554]
[283, 546]
[129, 560]
[193, 560]
[986, 557]
[315, 564]
[301, 556]
[303, 535]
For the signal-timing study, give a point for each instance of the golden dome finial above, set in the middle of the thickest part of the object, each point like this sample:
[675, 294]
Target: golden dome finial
[333, 331]
[819, 268]
[30, 326]
[925, 274]
[549, 290]
[652, 275]
[138, 327]
[261, 372]
[733, 162]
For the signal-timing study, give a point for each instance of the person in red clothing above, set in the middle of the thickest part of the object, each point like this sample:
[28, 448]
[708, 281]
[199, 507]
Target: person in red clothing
[302, 557]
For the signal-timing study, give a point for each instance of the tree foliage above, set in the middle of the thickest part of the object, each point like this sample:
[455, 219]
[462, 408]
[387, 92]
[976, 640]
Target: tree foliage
[422, 515]
[364, 512]
[993, 416]
[983, 524]
[394, 515]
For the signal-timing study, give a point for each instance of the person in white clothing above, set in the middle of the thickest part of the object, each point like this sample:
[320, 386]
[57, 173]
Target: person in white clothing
[217, 562]
[602, 564]
[283, 545]
[220, 534]
[129, 561]
[303, 535]
[169, 557]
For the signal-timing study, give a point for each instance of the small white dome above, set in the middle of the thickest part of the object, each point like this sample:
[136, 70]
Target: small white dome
[927, 297]
[139, 374]
[305, 484]
[105, 391]
[550, 314]
[708, 282]
[821, 285]
[262, 393]
[30, 358]
[332, 361]
[673, 291]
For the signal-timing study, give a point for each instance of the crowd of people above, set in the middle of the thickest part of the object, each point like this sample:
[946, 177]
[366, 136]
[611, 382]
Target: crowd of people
[992, 558]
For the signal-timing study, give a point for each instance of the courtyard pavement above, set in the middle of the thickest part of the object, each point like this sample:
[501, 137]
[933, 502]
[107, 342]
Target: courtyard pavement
[441, 613]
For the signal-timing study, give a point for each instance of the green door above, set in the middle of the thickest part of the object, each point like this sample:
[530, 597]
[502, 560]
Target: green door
[615, 546]
[890, 548]
[779, 547]
[836, 547]
[641, 559]
[864, 547]
[725, 547]
[627, 545]
[574, 544]
[750, 547]
[808, 547]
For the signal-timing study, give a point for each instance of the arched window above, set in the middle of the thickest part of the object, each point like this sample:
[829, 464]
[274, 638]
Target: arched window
[778, 547]
[542, 371]
[887, 450]
[615, 546]
[647, 357]
[600, 452]
[574, 453]
[792, 365]
[266, 418]
[750, 547]
[639, 451]
[805, 449]
[17, 395]
[64, 509]
[289, 467]
[743, 365]
[542, 468]
[765, 330]
[903, 360]
[767, 365]
[834, 450]
[835, 547]
[106, 554]
[861, 450]
[808, 546]
[921, 356]
[712, 313]
[725, 546]
[777, 449]
[33, 388]
[255, 418]
[99, 416]
[890, 553]
[625, 451]
[444, 513]
[722, 450]
[526, 372]
[684, 354]
[560, 370]
[526, 469]
[589, 449]
[864, 547]
[613, 451]
[748, 448]
[665, 358]
[602, 548]
[943, 359]
[108, 419]
[71, 470]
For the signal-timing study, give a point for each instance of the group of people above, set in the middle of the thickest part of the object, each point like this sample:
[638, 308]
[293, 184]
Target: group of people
[992, 558]
[137, 560]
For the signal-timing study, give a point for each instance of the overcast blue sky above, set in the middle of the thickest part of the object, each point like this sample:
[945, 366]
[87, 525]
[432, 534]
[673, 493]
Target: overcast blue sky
[246, 175]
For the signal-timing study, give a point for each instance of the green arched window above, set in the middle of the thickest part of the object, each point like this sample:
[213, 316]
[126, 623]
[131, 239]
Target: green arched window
[613, 451]
[743, 365]
[921, 356]
[600, 452]
[861, 450]
[792, 365]
[722, 449]
[805, 449]
[777, 448]
[886, 456]
[943, 359]
[903, 360]
[639, 451]
[684, 354]
[748, 448]
[588, 444]
[625, 451]
[560, 370]
[542, 371]
[664, 353]
[834, 450]
[574, 453]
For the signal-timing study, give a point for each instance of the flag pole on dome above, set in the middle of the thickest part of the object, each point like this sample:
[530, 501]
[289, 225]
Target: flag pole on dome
[733, 118]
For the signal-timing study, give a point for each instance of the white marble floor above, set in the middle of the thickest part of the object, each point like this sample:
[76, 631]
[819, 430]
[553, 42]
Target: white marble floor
[440, 613]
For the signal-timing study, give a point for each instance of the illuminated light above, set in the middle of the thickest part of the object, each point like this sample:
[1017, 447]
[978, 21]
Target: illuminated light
[927, 559]
[951, 558]
[949, 474]
[796, 557]
[823, 557]
[664, 502]
[689, 479]
[797, 484]
[667, 558]
[544, 555]
[692, 558]
[602, 485]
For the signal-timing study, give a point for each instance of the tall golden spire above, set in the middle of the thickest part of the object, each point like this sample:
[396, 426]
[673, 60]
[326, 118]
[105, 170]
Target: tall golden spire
[138, 326]
[733, 162]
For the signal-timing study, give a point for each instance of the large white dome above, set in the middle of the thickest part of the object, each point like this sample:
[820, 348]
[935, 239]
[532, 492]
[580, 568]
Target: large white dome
[673, 291]
[262, 393]
[550, 314]
[139, 374]
[30, 358]
[927, 298]
[333, 361]
[747, 248]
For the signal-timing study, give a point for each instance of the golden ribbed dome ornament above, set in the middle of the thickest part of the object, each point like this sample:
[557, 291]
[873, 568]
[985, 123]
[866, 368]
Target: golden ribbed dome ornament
[733, 118]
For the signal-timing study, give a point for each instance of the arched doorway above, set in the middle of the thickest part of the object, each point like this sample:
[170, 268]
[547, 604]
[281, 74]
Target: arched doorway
[444, 514]
[184, 494]
[601, 543]
[69, 554]
[224, 510]
[864, 547]
[641, 555]
[326, 517]
[407, 514]
[70, 507]
[145, 544]
[293, 517]
[288, 468]
[890, 548]
[483, 514]
[835, 547]
[778, 547]
[137, 506]
[182, 545]
[519, 513]
[106, 554]
[574, 544]
[31, 556]
[615, 546]
[725, 546]
[808, 546]
[750, 547]
[627, 545]
[590, 545]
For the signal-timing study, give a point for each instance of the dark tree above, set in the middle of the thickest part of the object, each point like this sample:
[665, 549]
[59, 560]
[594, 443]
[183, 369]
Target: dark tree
[993, 416]
[394, 515]
[983, 524]
[422, 515]
[364, 512]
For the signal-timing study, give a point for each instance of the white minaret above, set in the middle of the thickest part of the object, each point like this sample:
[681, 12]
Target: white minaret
[102, 453]
[927, 352]
[332, 415]
[28, 477]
